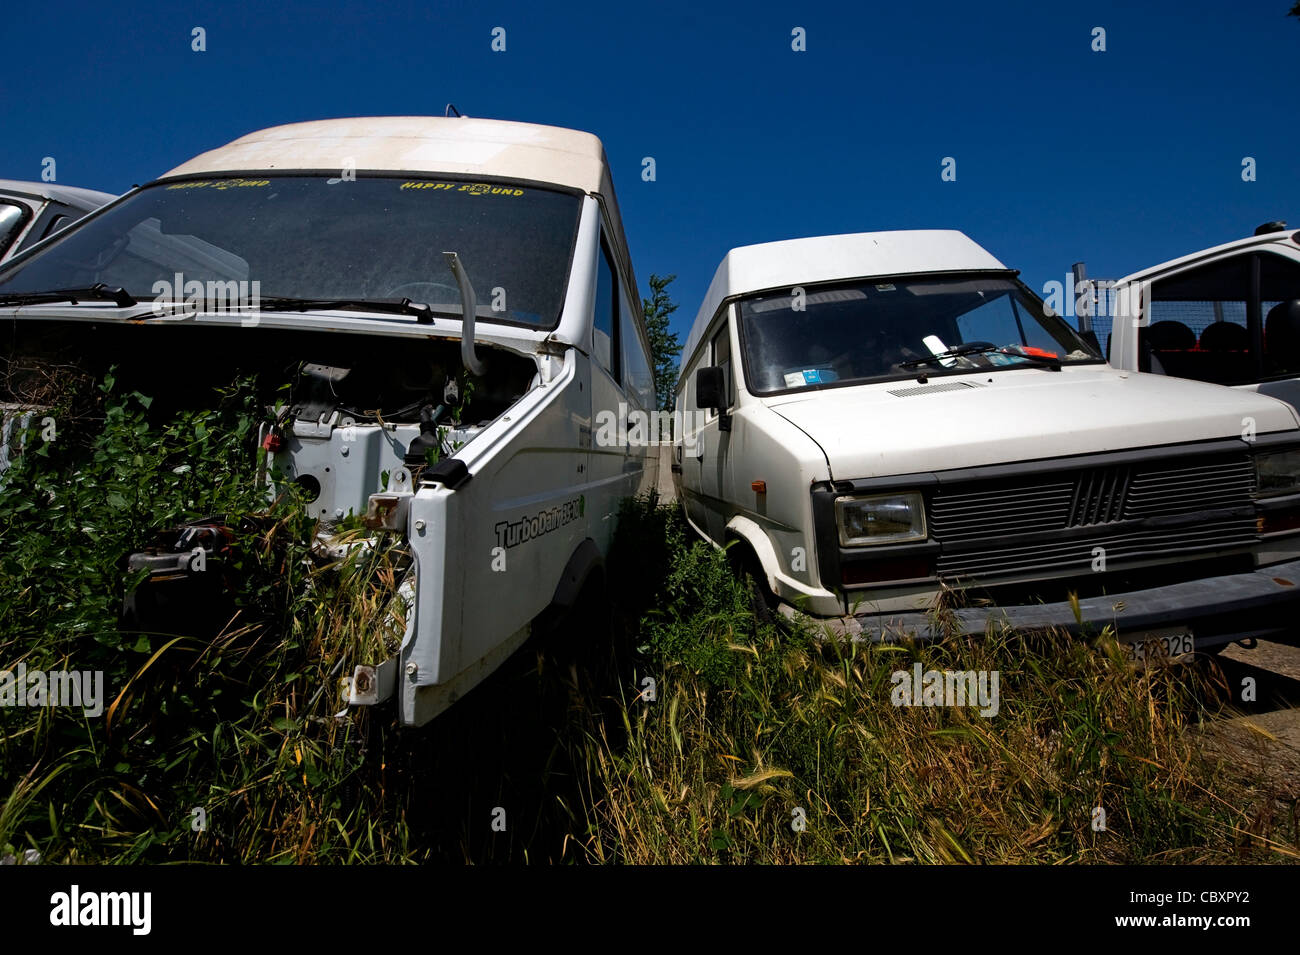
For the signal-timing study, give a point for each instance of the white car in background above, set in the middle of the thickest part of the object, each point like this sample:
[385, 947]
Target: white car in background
[894, 422]
[1228, 314]
[32, 211]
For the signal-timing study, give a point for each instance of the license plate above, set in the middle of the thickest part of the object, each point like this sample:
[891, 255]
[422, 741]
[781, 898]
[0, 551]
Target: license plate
[1173, 642]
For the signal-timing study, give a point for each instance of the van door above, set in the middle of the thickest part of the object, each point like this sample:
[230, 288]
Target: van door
[688, 448]
[607, 462]
[712, 452]
[642, 462]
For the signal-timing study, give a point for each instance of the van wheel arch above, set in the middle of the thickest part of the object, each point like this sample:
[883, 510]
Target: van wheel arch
[585, 566]
[745, 563]
[749, 535]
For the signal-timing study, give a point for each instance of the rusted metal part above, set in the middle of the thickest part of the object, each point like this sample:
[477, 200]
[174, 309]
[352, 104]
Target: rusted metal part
[189, 548]
[371, 685]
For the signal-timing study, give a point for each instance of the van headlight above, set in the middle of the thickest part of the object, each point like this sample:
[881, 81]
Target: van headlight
[880, 519]
[1278, 472]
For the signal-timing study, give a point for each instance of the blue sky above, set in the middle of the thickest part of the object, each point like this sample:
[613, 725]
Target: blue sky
[1122, 159]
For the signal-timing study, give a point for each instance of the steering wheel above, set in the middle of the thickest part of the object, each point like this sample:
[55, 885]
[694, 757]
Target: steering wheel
[418, 292]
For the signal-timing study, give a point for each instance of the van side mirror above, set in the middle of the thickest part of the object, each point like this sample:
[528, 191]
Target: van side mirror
[709, 386]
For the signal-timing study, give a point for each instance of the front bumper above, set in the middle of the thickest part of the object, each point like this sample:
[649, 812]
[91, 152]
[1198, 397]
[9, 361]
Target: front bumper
[1218, 610]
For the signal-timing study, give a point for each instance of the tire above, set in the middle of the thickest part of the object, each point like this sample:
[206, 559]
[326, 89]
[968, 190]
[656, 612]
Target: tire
[574, 631]
[745, 565]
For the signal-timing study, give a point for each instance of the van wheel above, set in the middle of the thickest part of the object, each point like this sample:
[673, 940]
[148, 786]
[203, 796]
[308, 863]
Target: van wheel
[745, 565]
[574, 632]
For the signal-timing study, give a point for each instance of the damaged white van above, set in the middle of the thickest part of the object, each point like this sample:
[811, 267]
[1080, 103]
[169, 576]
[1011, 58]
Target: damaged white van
[452, 303]
[894, 423]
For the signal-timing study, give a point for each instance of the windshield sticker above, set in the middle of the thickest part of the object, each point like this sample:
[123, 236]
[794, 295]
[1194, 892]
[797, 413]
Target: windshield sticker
[809, 376]
[220, 184]
[472, 188]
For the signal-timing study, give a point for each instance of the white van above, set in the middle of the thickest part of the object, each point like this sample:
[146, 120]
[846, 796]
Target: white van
[392, 262]
[1228, 314]
[893, 418]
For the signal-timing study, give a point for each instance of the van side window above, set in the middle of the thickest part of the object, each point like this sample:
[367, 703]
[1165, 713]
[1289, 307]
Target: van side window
[606, 317]
[1198, 326]
[1279, 293]
[722, 358]
[1205, 323]
[638, 379]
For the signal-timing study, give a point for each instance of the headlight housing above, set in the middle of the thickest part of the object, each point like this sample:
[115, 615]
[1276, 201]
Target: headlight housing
[1278, 472]
[880, 519]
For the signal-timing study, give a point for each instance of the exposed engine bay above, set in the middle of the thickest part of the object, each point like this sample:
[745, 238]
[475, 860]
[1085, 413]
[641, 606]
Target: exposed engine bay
[346, 416]
[346, 408]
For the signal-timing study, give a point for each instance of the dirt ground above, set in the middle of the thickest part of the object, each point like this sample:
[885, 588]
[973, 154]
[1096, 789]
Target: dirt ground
[1260, 739]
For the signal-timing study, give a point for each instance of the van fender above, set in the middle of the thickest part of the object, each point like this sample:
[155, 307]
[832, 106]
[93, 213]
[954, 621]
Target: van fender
[748, 531]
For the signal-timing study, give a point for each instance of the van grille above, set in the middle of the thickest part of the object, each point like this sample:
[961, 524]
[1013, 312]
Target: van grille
[1050, 524]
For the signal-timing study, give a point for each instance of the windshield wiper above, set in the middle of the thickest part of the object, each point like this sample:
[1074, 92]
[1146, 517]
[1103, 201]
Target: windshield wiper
[985, 348]
[95, 293]
[958, 351]
[389, 306]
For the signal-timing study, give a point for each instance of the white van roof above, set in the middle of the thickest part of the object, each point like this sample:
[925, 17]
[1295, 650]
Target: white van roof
[830, 258]
[458, 146]
[1268, 238]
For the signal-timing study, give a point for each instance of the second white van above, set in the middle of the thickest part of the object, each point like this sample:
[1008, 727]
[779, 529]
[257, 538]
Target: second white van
[893, 423]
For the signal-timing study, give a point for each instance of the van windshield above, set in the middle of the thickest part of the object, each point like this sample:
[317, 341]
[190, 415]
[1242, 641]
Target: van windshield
[875, 330]
[317, 237]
